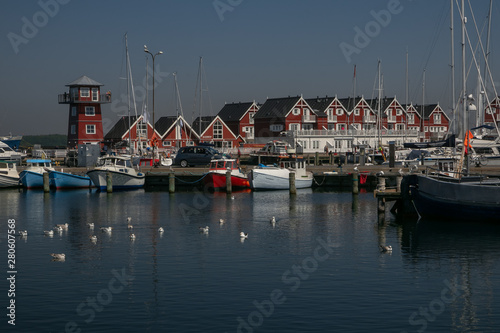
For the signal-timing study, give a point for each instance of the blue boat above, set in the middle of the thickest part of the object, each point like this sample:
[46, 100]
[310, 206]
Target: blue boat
[32, 176]
[62, 180]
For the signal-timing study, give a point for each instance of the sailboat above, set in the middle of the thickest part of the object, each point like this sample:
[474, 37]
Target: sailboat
[463, 196]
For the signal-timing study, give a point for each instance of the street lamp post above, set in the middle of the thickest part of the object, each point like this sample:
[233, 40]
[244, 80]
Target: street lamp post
[153, 56]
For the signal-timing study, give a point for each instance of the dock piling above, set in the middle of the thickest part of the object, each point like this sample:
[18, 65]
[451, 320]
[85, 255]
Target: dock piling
[46, 182]
[109, 182]
[171, 182]
[291, 179]
[229, 187]
[355, 183]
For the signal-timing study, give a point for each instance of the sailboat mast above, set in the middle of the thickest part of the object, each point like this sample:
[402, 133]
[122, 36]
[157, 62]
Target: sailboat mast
[128, 95]
[452, 66]
[422, 129]
[486, 65]
[406, 96]
[379, 102]
[200, 73]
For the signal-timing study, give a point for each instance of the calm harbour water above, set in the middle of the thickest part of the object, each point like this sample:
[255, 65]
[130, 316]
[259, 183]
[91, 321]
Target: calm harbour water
[319, 269]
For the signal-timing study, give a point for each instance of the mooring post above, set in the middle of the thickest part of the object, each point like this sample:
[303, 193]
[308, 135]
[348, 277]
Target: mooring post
[291, 179]
[171, 182]
[229, 187]
[109, 182]
[46, 182]
[362, 157]
[316, 158]
[392, 153]
[381, 205]
[399, 180]
[381, 184]
[355, 183]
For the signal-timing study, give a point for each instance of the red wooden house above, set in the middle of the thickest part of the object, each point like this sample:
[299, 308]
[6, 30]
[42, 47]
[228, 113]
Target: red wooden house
[175, 132]
[133, 128]
[436, 122]
[284, 114]
[492, 112]
[239, 117]
[361, 115]
[213, 130]
[85, 118]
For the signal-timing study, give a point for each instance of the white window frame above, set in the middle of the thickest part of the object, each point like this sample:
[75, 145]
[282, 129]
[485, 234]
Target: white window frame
[250, 118]
[90, 129]
[276, 127]
[95, 94]
[294, 127]
[339, 111]
[296, 111]
[84, 92]
[218, 131]
[90, 111]
[356, 111]
[167, 143]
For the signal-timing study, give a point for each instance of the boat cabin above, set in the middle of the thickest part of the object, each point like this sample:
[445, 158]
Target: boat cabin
[296, 164]
[114, 160]
[6, 167]
[224, 164]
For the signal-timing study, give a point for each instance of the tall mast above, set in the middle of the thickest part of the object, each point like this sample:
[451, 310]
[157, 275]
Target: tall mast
[379, 107]
[464, 85]
[406, 95]
[481, 107]
[128, 95]
[452, 49]
[422, 129]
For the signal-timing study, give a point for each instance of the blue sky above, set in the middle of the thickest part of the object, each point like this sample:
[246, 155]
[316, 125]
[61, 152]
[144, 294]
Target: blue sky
[251, 49]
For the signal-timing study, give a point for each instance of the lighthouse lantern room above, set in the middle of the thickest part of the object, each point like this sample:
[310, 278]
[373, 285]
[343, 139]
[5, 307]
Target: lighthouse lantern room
[85, 119]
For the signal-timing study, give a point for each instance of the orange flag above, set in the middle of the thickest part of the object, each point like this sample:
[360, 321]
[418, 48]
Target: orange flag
[467, 145]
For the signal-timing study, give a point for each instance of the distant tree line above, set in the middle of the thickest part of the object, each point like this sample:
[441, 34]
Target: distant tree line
[50, 140]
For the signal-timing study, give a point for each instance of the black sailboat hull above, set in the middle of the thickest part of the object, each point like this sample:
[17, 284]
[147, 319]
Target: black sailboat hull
[452, 199]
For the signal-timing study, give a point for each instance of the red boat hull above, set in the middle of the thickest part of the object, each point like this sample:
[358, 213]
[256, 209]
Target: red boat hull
[218, 181]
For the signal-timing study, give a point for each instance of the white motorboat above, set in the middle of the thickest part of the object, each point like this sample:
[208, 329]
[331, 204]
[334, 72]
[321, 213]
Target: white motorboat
[8, 174]
[8, 154]
[123, 175]
[278, 177]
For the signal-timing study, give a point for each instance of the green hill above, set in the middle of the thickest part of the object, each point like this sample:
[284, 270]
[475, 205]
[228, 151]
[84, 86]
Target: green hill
[51, 140]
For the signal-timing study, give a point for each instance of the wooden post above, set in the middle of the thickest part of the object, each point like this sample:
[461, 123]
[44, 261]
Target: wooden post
[381, 184]
[355, 183]
[381, 205]
[291, 179]
[46, 182]
[362, 157]
[171, 182]
[109, 182]
[229, 187]
[399, 179]
[392, 153]
[316, 158]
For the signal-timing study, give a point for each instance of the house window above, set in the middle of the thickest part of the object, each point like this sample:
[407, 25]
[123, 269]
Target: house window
[341, 127]
[399, 112]
[142, 130]
[167, 143]
[296, 111]
[367, 112]
[294, 127]
[90, 111]
[411, 119]
[307, 126]
[339, 112]
[84, 92]
[356, 111]
[90, 129]
[74, 93]
[73, 129]
[95, 94]
[276, 128]
[217, 130]
[437, 118]
[73, 111]
[315, 144]
[251, 120]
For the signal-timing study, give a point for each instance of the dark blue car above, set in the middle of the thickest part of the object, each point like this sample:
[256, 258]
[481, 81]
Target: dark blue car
[196, 155]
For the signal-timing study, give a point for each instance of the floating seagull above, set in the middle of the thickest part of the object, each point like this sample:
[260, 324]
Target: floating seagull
[62, 226]
[48, 232]
[380, 173]
[401, 172]
[58, 256]
[243, 235]
[273, 220]
[23, 233]
[232, 197]
[106, 229]
[356, 168]
[93, 238]
[385, 248]
[130, 226]
[91, 225]
[160, 229]
[58, 229]
[204, 229]
[221, 221]
[132, 236]
[129, 219]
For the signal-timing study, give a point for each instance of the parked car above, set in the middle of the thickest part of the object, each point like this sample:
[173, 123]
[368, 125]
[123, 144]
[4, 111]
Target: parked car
[196, 155]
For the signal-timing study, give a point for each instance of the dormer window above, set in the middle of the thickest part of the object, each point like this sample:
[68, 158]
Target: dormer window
[296, 111]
